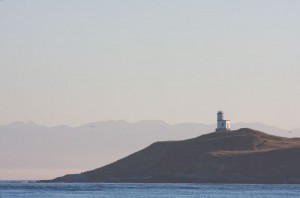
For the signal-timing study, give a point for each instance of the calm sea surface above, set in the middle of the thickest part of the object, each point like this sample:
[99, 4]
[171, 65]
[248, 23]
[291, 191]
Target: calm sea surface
[28, 189]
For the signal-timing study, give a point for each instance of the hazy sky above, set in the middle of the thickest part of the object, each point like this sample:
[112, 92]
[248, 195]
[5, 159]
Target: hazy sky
[77, 61]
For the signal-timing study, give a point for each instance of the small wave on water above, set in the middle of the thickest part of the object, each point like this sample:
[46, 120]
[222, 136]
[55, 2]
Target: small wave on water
[13, 189]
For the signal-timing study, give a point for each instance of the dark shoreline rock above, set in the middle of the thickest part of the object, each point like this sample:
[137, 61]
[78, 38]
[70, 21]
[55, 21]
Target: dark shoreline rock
[241, 156]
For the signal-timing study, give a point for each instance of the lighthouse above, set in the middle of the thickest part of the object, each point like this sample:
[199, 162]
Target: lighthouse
[222, 124]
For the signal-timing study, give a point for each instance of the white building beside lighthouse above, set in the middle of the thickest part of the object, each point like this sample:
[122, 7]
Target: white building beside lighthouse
[222, 125]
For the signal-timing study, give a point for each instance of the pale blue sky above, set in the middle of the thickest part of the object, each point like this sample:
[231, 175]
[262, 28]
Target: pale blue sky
[74, 61]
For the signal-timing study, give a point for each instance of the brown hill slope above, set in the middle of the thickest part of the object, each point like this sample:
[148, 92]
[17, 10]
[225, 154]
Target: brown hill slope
[242, 156]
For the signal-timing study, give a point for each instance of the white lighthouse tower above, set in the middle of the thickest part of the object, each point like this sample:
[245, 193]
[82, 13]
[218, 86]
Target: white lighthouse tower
[223, 125]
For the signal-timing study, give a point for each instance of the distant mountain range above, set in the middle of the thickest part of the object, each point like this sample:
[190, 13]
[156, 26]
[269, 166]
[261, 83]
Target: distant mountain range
[242, 156]
[41, 152]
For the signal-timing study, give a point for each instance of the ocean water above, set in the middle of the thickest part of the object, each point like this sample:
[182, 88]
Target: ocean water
[17, 189]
